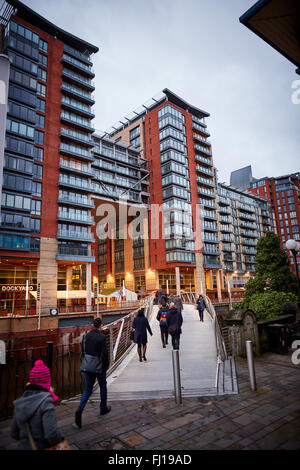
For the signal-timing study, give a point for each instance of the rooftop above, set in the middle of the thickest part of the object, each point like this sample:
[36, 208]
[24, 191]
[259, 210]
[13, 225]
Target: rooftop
[33, 18]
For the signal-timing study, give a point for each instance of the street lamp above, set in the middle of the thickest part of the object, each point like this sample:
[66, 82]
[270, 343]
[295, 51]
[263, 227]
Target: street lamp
[294, 246]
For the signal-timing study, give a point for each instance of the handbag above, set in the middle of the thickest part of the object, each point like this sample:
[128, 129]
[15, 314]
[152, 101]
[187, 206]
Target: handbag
[90, 364]
[63, 445]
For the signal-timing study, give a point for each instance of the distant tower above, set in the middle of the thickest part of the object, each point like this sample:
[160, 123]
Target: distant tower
[241, 178]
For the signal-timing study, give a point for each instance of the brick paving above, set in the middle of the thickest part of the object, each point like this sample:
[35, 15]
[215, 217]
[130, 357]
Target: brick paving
[268, 419]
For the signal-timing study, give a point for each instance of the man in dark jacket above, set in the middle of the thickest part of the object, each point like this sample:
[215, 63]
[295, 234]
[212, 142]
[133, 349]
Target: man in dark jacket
[162, 318]
[94, 344]
[201, 305]
[174, 322]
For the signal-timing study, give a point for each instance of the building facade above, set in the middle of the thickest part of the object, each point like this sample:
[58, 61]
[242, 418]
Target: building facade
[283, 194]
[45, 235]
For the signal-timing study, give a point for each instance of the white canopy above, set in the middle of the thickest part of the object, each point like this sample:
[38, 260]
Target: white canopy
[123, 292]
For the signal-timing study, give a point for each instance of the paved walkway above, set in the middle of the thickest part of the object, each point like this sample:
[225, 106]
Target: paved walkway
[267, 419]
[154, 378]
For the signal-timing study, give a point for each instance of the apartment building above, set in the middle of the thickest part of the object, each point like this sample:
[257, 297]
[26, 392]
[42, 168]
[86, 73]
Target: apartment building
[45, 235]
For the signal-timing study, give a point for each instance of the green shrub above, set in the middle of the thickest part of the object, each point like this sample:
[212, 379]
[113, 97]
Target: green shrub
[269, 305]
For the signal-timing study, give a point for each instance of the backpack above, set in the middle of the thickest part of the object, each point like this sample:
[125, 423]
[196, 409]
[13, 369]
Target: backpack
[163, 319]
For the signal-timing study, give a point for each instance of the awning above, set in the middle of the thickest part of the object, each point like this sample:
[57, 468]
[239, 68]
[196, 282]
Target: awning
[72, 294]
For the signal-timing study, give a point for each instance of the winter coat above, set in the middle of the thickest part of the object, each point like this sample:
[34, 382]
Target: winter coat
[174, 320]
[35, 406]
[140, 326]
[95, 345]
[201, 305]
[178, 304]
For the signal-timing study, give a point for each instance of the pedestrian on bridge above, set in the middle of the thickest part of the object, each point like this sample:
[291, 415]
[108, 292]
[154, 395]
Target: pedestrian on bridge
[174, 322]
[162, 318]
[94, 365]
[201, 305]
[140, 326]
[178, 303]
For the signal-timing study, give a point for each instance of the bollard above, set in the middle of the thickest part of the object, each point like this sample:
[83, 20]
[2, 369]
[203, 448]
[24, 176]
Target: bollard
[49, 355]
[250, 359]
[176, 376]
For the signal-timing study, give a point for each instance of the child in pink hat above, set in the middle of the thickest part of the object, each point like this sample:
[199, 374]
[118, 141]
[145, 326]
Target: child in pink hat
[40, 375]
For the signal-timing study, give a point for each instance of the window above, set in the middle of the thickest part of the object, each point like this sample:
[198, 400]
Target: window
[19, 128]
[14, 242]
[40, 121]
[295, 229]
[43, 59]
[22, 63]
[22, 79]
[39, 137]
[22, 95]
[26, 46]
[35, 207]
[35, 225]
[293, 214]
[18, 164]
[34, 245]
[43, 45]
[21, 112]
[38, 171]
[36, 189]
[41, 89]
[19, 146]
[42, 74]
[38, 154]
[41, 105]
[19, 183]
[15, 221]
[20, 30]
[16, 201]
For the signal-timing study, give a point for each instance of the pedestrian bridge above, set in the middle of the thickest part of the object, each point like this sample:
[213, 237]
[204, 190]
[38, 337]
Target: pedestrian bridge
[205, 368]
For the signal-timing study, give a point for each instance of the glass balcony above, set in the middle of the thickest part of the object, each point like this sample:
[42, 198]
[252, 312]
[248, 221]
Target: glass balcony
[209, 215]
[208, 182]
[69, 217]
[201, 129]
[207, 237]
[248, 233]
[76, 120]
[76, 201]
[72, 167]
[78, 65]
[202, 169]
[79, 55]
[75, 136]
[210, 226]
[248, 241]
[226, 228]
[207, 203]
[206, 192]
[200, 148]
[201, 139]
[71, 235]
[66, 253]
[78, 93]
[74, 182]
[75, 150]
[201, 159]
[223, 200]
[247, 208]
[77, 106]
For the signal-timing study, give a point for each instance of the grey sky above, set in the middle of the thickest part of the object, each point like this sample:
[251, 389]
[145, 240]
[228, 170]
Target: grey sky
[199, 50]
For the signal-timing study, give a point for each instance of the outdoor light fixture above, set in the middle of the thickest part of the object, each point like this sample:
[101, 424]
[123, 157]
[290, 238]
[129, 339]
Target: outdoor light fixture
[294, 246]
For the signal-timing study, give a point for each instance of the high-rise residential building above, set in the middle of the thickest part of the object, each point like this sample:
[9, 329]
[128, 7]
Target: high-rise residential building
[174, 138]
[242, 220]
[283, 193]
[121, 184]
[45, 235]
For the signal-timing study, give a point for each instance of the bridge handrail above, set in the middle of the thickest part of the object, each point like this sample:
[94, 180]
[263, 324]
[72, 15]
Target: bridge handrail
[118, 337]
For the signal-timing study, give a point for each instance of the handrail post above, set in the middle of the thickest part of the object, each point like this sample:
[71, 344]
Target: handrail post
[176, 376]
[49, 355]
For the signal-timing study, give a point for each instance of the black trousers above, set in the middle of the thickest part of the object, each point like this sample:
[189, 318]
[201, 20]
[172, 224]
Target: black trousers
[176, 340]
[201, 314]
[164, 334]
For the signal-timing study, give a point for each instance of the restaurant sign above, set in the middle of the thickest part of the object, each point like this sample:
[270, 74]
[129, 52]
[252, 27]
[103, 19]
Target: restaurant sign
[16, 288]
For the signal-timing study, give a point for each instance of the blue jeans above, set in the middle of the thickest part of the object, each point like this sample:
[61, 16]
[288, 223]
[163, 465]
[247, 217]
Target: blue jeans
[89, 380]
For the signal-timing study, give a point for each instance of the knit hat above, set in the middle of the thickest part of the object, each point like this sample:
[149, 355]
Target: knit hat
[40, 375]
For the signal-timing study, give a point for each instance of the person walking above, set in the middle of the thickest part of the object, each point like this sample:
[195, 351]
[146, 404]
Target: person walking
[34, 412]
[162, 318]
[178, 304]
[174, 323]
[95, 364]
[140, 326]
[201, 305]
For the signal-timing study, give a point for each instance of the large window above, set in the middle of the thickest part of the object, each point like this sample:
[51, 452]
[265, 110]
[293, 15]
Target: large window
[19, 146]
[41, 105]
[22, 95]
[19, 128]
[15, 221]
[16, 201]
[43, 59]
[25, 47]
[18, 164]
[38, 154]
[14, 242]
[168, 109]
[26, 33]
[36, 189]
[41, 89]
[35, 225]
[42, 74]
[22, 79]
[39, 137]
[38, 171]
[40, 122]
[19, 183]
[36, 207]
[22, 63]
[43, 45]
[21, 112]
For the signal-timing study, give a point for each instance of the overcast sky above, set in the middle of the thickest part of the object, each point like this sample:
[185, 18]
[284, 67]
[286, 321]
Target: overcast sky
[199, 50]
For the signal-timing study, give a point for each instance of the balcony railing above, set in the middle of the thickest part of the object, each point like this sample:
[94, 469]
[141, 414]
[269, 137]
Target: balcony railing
[199, 158]
[78, 92]
[82, 219]
[200, 148]
[76, 201]
[207, 203]
[71, 235]
[79, 65]
[75, 254]
[202, 169]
